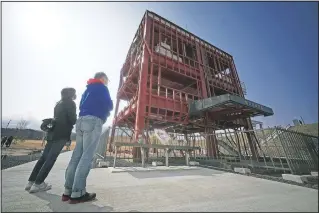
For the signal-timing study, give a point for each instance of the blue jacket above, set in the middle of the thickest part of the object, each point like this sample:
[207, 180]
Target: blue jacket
[96, 100]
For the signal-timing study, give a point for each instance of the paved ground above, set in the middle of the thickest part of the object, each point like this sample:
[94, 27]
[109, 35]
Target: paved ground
[190, 190]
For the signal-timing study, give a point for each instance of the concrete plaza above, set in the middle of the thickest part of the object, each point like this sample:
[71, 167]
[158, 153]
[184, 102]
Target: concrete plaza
[172, 190]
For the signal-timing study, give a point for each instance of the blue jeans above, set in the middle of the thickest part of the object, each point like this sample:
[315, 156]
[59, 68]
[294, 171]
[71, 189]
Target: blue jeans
[88, 132]
[47, 160]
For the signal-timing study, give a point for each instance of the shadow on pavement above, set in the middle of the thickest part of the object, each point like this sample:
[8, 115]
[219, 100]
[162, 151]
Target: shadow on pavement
[56, 204]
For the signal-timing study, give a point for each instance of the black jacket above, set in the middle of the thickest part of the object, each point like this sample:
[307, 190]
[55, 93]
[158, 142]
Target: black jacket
[65, 118]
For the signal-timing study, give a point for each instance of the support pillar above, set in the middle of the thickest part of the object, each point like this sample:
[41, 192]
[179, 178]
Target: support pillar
[211, 144]
[251, 139]
[211, 140]
[202, 76]
[142, 87]
[115, 114]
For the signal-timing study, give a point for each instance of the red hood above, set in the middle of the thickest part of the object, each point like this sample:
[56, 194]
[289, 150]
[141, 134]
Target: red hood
[94, 81]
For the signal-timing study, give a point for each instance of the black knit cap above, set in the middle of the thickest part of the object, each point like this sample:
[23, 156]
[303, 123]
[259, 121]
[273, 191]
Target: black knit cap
[68, 93]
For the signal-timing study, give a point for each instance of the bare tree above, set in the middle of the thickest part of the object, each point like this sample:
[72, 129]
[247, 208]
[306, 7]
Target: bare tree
[21, 125]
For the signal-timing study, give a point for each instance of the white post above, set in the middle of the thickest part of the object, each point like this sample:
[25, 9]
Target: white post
[143, 156]
[115, 156]
[166, 157]
[187, 157]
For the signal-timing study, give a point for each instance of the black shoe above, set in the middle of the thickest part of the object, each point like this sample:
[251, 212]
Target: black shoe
[85, 198]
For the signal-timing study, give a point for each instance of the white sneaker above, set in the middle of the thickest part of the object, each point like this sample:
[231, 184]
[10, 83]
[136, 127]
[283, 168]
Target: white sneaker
[29, 185]
[40, 187]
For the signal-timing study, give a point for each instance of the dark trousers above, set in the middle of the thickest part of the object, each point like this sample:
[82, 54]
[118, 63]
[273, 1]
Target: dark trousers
[45, 163]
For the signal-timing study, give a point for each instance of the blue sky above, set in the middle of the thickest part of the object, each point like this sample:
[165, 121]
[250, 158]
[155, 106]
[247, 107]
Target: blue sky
[53, 45]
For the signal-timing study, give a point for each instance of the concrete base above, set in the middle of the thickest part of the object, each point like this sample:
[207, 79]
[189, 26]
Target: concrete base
[242, 170]
[314, 174]
[157, 163]
[309, 179]
[301, 178]
[102, 164]
[148, 169]
[193, 163]
[294, 178]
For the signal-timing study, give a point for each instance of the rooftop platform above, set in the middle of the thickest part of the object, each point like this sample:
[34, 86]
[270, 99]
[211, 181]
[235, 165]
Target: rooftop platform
[229, 106]
[190, 190]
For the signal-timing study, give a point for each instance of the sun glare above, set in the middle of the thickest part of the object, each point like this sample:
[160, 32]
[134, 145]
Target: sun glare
[42, 24]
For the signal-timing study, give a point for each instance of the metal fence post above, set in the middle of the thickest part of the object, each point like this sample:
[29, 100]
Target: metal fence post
[100, 151]
[115, 154]
[143, 156]
[312, 151]
[187, 157]
[285, 151]
[166, 156]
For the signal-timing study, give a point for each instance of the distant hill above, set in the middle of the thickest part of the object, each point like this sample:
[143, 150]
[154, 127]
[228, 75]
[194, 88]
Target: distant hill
[12, 123]
[310, 129]
[32, 132]
[27, 134]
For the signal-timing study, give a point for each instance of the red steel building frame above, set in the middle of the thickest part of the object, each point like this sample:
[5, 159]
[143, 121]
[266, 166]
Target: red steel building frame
[165, 68]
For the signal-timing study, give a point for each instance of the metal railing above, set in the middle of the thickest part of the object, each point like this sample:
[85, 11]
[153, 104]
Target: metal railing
[101, 149]
[261, 150]
[284, 152]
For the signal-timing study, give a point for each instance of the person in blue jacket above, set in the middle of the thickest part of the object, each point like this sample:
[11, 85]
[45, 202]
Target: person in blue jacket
[95, 107]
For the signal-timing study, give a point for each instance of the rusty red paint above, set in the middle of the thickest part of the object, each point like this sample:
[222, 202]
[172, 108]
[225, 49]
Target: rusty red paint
[155, 96]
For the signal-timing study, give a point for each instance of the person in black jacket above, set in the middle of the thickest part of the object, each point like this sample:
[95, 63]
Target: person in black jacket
[9, 141]
[3, 140]
[64, 119]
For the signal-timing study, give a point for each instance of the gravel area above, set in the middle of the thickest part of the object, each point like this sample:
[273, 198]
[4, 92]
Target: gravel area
[8, 161]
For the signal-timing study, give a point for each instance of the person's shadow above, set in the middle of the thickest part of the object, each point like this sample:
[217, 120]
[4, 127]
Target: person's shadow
[57, 205]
